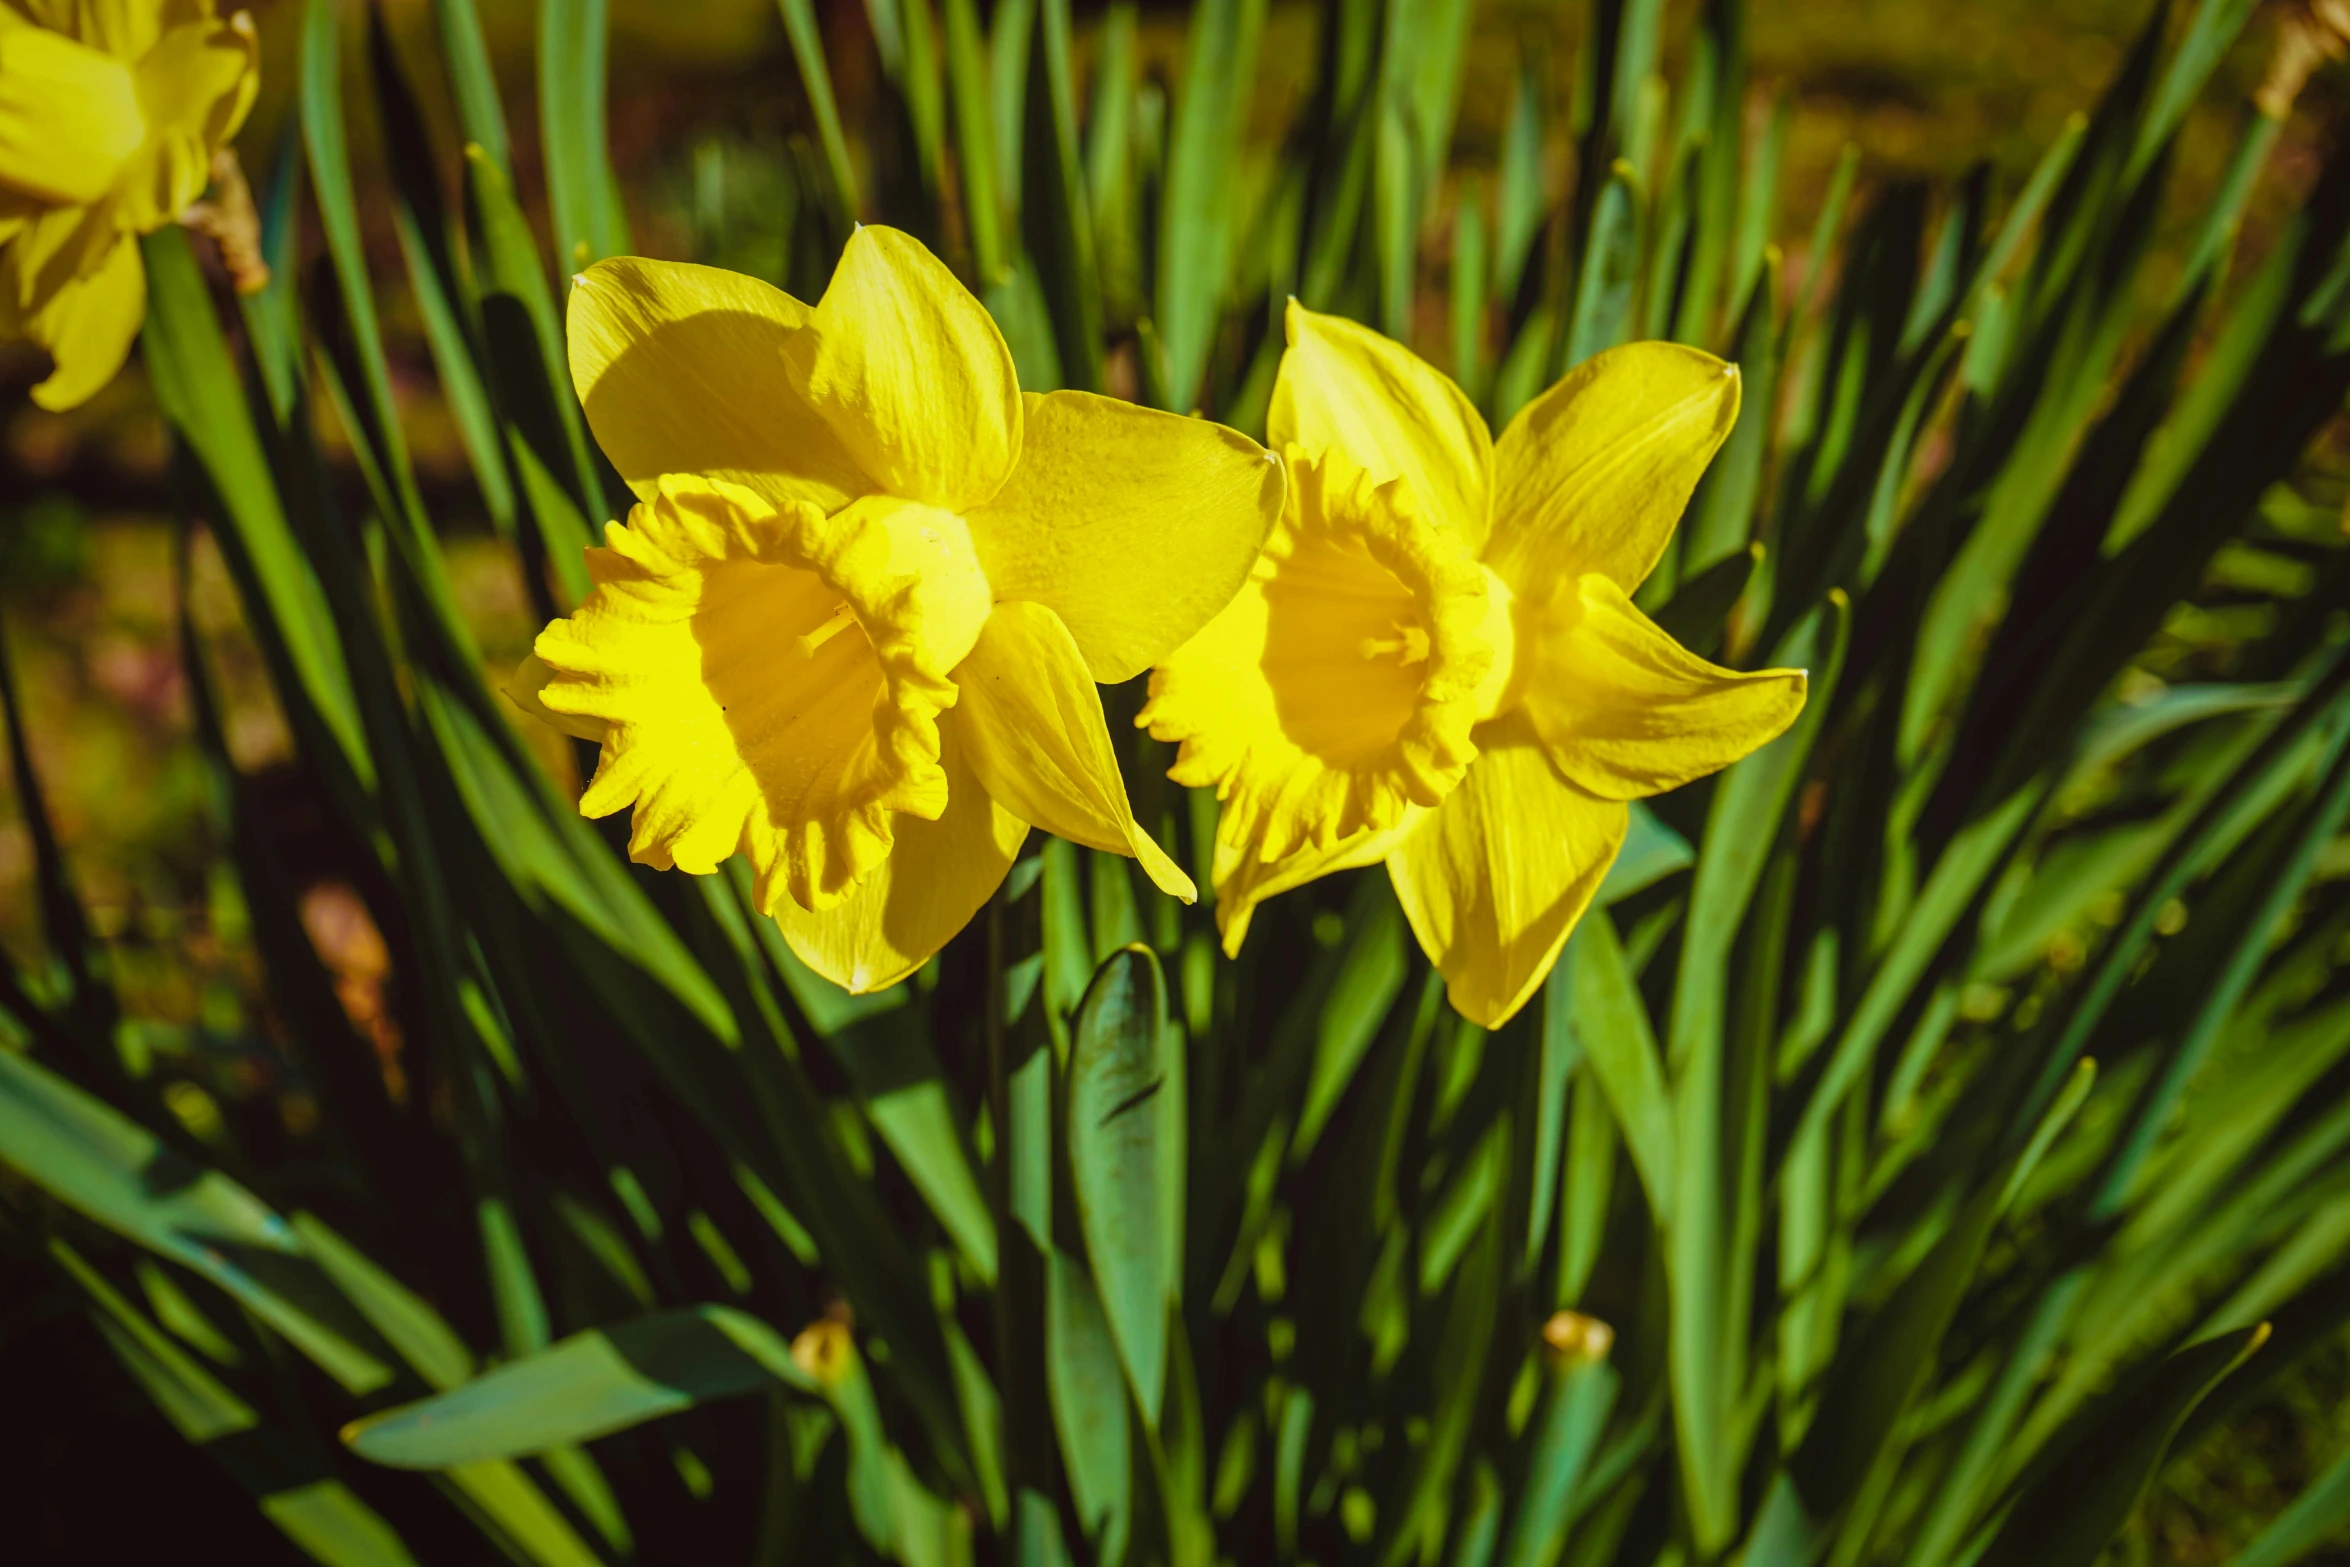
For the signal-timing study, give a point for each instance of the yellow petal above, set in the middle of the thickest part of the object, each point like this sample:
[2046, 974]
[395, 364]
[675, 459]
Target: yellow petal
[1136, 526]
[1495, 878]
[196, 85]
[772, 680]
[125, 29]
[1338, 688]
[681, 370]
[88, 326]
[1593, 474]
[1243, 880]
[1032, 721]
[532, 676]
[1344, 388]
[911, 373]
[1628, 712]
[937, 876]
[69, 116]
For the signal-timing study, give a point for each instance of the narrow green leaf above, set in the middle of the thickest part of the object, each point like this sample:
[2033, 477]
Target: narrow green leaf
[98, 1162]
[2078, 1504]
[1087, 1389]
[1114, 1074]
[583, 1387]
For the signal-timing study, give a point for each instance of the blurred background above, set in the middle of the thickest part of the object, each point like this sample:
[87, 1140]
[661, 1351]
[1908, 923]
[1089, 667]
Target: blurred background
[707, 120]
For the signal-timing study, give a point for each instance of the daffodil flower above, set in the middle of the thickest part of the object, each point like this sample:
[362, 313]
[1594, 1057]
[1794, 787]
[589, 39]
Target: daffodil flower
[852, 628]
[1437, 662]
[110, 115]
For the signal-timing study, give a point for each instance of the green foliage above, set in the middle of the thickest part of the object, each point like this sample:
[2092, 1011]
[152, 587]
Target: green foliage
[1935, 1109]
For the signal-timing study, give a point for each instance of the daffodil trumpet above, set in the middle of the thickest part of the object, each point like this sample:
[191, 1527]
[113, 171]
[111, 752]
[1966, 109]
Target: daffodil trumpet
[1437, 662]
[854, 625]
[111, 118]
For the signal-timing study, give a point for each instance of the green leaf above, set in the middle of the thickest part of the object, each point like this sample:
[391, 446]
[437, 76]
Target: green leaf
[2317, 1515]
[1619, 1044]
[2069, 1514]
[196, 385]
[331, 1524]
[1087, 1389]
[1196, 217]
[583, 1387]
[96, 1161]
[807, 47]
[1114, 1075]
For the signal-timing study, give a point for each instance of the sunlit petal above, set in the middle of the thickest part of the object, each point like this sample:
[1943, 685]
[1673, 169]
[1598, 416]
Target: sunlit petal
[1032, 722]
[1593, 474]
[1344, 388]
[938, 875]
[1135, 526]
[681, 370]
[1495, 878]
[69, 116]
[88, 326]
[911, 374]
[1628, 712]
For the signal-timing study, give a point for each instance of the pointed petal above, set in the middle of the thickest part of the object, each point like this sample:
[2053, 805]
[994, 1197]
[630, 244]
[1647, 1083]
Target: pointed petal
[69, 116]
[1593, 474]
[911, 373]
[1628, 712]
[1103, 486]
[1344, 387]
[681, 370]
[938, 875]
[88, 327]
[1243, 880]
[1495, 879]
[1032, 722]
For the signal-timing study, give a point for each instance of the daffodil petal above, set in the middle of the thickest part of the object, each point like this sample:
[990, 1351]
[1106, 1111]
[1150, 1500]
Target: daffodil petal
[88, 327]
[532, 676]
[196, 84]
[1494, 880]
[1105, 495]
[69, 116]
[1344, 388]
[938, 875]
[1593, 474]
[1032, 722]
[1243, 880]
[1627, 712]
[681, 370]
[911, 373]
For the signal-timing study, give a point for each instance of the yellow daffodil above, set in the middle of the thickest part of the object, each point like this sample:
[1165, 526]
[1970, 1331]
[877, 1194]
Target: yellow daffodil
[1437, 662]
[853, 627]
[111, 112]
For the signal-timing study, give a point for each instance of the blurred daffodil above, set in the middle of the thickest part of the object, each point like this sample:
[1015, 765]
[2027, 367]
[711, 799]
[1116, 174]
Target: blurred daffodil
[1437, 661]
[853, 627]
[110, 117]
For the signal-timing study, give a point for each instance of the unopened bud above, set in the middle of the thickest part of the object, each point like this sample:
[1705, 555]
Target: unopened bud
[1577, 1340]
[825, 1350]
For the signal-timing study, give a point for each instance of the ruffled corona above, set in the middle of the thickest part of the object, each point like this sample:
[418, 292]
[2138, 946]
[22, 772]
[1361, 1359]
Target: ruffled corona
[770, 679]
[1375, 632]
